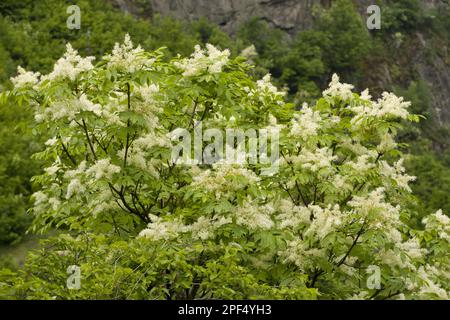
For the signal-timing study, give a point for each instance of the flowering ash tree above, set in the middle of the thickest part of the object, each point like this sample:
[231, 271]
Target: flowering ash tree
[331, 223]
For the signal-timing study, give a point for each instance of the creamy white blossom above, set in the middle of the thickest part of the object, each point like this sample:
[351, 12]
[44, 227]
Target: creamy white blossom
[388, 106]
[126, 58]
[339, 90]
[255, 217]
[292, 216]
[387, 143]
[70, 65]
[103, 169]
[303, 256]
[51, 142]
[265, 86]
[396, 173]
[429, 287]
[249, 52]
[362, 163]
[439, 222]
[39, 198]
[306, 123]
[87, 105]
[314, 160]
[324, 220]
[219, 181]
[74, 187]
[159, 229]
[211, 60]
[25, 78]
[373, 207]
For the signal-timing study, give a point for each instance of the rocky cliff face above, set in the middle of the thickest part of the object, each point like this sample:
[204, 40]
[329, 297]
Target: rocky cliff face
[295, 15]
[289, 15]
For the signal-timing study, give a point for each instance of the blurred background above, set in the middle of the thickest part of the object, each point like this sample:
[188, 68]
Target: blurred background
[300, 42]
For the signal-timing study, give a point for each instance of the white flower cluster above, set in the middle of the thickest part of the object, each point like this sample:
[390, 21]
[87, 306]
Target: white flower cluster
[25, 78]
[362, 164]
[51, 142]
[139, 153]
[111, 111]
[429, 288]
[301, 254]
[104, 201]
[255, 217]
[341, 184]
[140, 158]
[292, 216]
[70, 65]
[79, 170]
[159, 229]
[87, 105]
[366, 96]
[53, 169]
[103, 169]
[220, 181]
[265, 86]
[387, 143]
[306, 123]
[439, 222]
[211, 60]
[126, 58]
[388, 106]
[391, 105]
[68, 109]
[43, 201]
[99, 199]
[148, 92]
[39, 198]
[54, 203]
[203, 228]
[249, 52]
[148, 105]
[375, 210]
[150, 140]
[325, 221]
[396, 173]
[338, 90]
[75, 187]
[314, 221]
[56, 110]
[393, 259]
[355, 147]
[314, 160]
[412, 248]
[403, 254]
